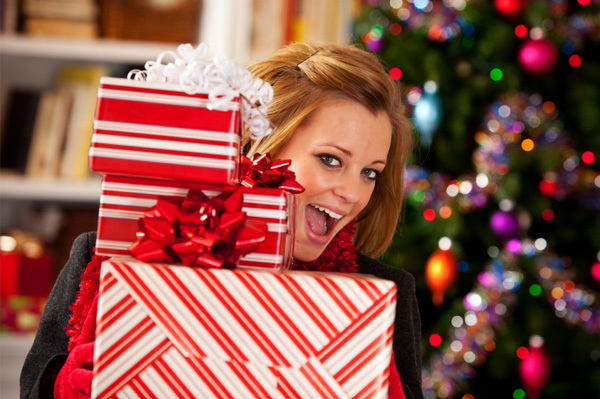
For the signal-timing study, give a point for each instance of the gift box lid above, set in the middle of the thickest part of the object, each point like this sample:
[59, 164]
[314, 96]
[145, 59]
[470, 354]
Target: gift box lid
[158, 130]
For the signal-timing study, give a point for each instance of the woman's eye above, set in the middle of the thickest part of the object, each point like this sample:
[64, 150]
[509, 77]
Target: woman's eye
[329, 160]
[371, 174]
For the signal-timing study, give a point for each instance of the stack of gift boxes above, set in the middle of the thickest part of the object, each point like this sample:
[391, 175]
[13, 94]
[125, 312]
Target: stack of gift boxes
[197, 299]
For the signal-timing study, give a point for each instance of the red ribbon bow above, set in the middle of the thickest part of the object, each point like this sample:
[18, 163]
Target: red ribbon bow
[197, 231]
[262, 171]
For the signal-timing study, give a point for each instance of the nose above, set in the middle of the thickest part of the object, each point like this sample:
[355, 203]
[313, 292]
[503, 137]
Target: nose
[347, 187]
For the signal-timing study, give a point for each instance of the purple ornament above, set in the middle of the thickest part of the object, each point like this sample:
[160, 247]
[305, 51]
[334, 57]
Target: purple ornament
[374, 44]
[505, 224]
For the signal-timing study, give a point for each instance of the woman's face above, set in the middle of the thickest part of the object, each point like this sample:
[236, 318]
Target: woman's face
[337, 154]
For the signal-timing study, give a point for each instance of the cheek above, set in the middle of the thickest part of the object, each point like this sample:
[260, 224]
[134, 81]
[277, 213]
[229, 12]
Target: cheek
[365, 197]
[311, 179]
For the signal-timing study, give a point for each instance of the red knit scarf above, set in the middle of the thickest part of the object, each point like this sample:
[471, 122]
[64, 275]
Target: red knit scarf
[339, 256]
[88, 289]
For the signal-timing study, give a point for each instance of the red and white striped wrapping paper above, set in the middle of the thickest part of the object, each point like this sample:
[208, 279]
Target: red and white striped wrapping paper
[158, 130]
[166, 331]
[125, 198]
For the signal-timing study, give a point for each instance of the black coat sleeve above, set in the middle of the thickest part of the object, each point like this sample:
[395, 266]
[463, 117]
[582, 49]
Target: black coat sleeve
[407, 327]
[49, 350]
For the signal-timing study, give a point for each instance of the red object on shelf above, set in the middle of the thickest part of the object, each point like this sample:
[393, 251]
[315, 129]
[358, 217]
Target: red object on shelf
[23, 275]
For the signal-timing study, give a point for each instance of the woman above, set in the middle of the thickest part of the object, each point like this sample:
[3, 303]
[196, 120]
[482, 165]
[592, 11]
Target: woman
[337, 115]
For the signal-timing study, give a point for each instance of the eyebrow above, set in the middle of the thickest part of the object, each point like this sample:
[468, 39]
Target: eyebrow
[349, 153]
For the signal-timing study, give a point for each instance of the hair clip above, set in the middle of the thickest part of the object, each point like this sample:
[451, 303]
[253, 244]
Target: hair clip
[301, 62]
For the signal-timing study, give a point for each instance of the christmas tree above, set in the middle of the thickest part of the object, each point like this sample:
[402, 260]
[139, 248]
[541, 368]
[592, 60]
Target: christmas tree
[502, 221]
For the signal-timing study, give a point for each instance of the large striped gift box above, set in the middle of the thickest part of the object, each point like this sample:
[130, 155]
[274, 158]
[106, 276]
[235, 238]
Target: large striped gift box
[166, 331]
[125, 198]
[158, 130]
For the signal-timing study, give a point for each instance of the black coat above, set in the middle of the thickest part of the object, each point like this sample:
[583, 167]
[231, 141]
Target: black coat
[49, 350]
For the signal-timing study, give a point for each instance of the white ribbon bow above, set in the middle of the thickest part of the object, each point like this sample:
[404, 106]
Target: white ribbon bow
[195, 71]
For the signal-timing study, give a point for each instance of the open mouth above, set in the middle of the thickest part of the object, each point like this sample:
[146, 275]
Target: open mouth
[321, 221]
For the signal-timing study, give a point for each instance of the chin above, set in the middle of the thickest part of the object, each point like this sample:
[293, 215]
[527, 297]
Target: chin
[307, 253]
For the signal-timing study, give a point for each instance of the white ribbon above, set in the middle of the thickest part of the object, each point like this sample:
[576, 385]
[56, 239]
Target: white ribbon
[224, 79]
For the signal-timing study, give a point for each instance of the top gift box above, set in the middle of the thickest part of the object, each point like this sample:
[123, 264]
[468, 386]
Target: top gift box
[181, 120]
[158, 130]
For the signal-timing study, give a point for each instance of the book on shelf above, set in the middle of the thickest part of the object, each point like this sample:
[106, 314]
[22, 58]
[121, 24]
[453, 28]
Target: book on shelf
[51, 127]
[43, 119]
[61, 28]
[9, 11]
[76, 10]
[68, 18]
[19, 123]
[84, 81]
[275, 24]
[48, 133]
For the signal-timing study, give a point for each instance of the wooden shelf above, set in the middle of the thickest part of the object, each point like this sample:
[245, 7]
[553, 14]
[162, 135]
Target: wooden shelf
[50, 190]
[118, 51]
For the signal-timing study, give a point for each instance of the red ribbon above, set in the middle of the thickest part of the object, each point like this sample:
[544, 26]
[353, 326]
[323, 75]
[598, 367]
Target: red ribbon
[198, 231]
[262, 171]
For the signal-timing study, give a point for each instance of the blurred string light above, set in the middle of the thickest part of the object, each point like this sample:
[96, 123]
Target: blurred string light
[441, 20]
[574, 303]
[471, 335]
[515, 121]
[527, 123]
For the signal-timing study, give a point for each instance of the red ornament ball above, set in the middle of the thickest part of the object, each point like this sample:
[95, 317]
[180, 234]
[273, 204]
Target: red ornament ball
[537, 56]
[510, 8]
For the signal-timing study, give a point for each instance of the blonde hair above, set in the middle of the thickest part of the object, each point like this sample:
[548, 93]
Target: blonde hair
[306, 75]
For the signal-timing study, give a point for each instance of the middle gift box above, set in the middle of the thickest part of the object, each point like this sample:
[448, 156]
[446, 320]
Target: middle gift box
[125, 198]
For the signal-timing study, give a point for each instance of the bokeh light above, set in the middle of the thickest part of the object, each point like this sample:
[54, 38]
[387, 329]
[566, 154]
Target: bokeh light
[496, 74]
[527, 145]
[535, 289]
[395, 73]
[521, 31]
[548, 214]
[429, 214]
[395, 28]
[435, 339]
[522, 352]
[575, 60]
[518, 394]
[587, 157]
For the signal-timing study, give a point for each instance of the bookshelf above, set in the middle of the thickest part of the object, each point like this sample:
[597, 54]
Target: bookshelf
[99, 50]
[32, 62]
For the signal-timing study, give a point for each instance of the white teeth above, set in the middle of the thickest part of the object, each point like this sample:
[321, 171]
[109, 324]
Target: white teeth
[327, 211]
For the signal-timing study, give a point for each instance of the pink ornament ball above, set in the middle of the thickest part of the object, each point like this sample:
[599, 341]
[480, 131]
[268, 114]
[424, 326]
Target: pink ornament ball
[595, 271]
[537, 56]
[534, 371]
